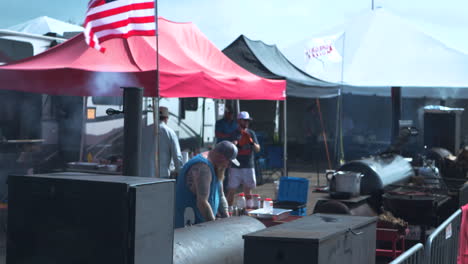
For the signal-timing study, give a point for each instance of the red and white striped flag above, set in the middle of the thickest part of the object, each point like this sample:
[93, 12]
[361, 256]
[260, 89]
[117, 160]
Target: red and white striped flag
[107, 19]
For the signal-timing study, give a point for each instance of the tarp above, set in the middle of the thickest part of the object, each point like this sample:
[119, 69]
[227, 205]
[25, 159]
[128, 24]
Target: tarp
[190, 66]
[380, 49]
[44, 24]
[267, 61]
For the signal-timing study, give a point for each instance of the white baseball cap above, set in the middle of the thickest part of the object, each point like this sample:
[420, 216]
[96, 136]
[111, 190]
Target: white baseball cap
[244, 115]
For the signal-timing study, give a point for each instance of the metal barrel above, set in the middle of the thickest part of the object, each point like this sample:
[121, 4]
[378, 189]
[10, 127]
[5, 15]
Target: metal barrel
[215, 242]
[133, 98]
[380, 172]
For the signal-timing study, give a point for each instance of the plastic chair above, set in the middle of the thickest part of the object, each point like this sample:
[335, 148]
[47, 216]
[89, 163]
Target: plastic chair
[274, 155]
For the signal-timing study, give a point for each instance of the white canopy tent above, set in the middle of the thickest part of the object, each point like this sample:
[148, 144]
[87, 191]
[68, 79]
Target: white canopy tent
[380, 50]
[43, 25]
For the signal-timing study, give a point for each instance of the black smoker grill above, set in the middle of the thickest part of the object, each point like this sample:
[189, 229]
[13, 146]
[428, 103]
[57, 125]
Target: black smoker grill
[380, 173]
[386, 184]
[416, 206]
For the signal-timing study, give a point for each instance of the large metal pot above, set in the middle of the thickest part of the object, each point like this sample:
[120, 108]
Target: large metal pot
[348, 182]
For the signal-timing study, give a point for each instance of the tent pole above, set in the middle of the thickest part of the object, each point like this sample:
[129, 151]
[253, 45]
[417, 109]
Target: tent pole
[337, 131]
[155, 104]
[324, 135]
[396, 112]
[203, 124]
[341, 151]
[156, 100]
[285, 140]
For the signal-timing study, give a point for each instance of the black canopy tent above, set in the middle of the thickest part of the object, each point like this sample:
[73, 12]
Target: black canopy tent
[268, 62]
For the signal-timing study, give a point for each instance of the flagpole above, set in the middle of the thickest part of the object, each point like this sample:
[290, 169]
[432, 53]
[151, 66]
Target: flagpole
[340, 98]
[285, 138]
[156, 100]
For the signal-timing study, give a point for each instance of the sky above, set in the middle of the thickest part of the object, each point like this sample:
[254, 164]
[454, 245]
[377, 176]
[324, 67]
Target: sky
[277, 22]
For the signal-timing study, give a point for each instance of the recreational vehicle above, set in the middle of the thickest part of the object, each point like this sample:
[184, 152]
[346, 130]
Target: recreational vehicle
[42, 133]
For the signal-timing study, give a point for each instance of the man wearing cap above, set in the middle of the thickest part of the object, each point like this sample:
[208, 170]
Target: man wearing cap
[247, 144]
[169, 148]
[199, 187]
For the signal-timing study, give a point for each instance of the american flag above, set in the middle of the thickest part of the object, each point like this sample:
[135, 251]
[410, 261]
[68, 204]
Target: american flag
[107, 19]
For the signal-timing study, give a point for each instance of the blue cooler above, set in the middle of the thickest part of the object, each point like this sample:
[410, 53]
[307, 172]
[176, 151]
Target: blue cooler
[292, 194]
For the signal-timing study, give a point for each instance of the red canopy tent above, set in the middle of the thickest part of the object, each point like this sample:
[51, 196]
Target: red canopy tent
[191, 66]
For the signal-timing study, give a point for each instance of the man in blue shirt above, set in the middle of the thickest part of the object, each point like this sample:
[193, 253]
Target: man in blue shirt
[199, 188]
[244, 173]
[225, 128]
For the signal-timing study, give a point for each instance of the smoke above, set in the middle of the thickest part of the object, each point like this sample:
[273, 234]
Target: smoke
[442, 93]
[20, 115]
[109, 84]
[446, 93]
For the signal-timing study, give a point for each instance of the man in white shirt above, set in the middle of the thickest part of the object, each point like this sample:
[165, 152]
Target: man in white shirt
[169, 148]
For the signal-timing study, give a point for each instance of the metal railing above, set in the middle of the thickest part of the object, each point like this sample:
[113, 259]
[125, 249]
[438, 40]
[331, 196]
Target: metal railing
[442, 245]
[414, 255]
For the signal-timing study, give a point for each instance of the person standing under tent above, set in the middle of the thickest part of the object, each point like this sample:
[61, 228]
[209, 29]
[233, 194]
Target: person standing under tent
[244, 174]
[199, 187]
[224, 130]
[169, 149]
[225, 127]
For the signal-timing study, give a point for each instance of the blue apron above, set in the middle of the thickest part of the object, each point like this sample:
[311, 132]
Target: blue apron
[186, 199]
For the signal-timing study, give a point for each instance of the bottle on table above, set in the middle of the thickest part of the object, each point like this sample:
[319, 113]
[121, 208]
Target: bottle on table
[241, 203]
[257, 201]
[268, 205]
[249, 201]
